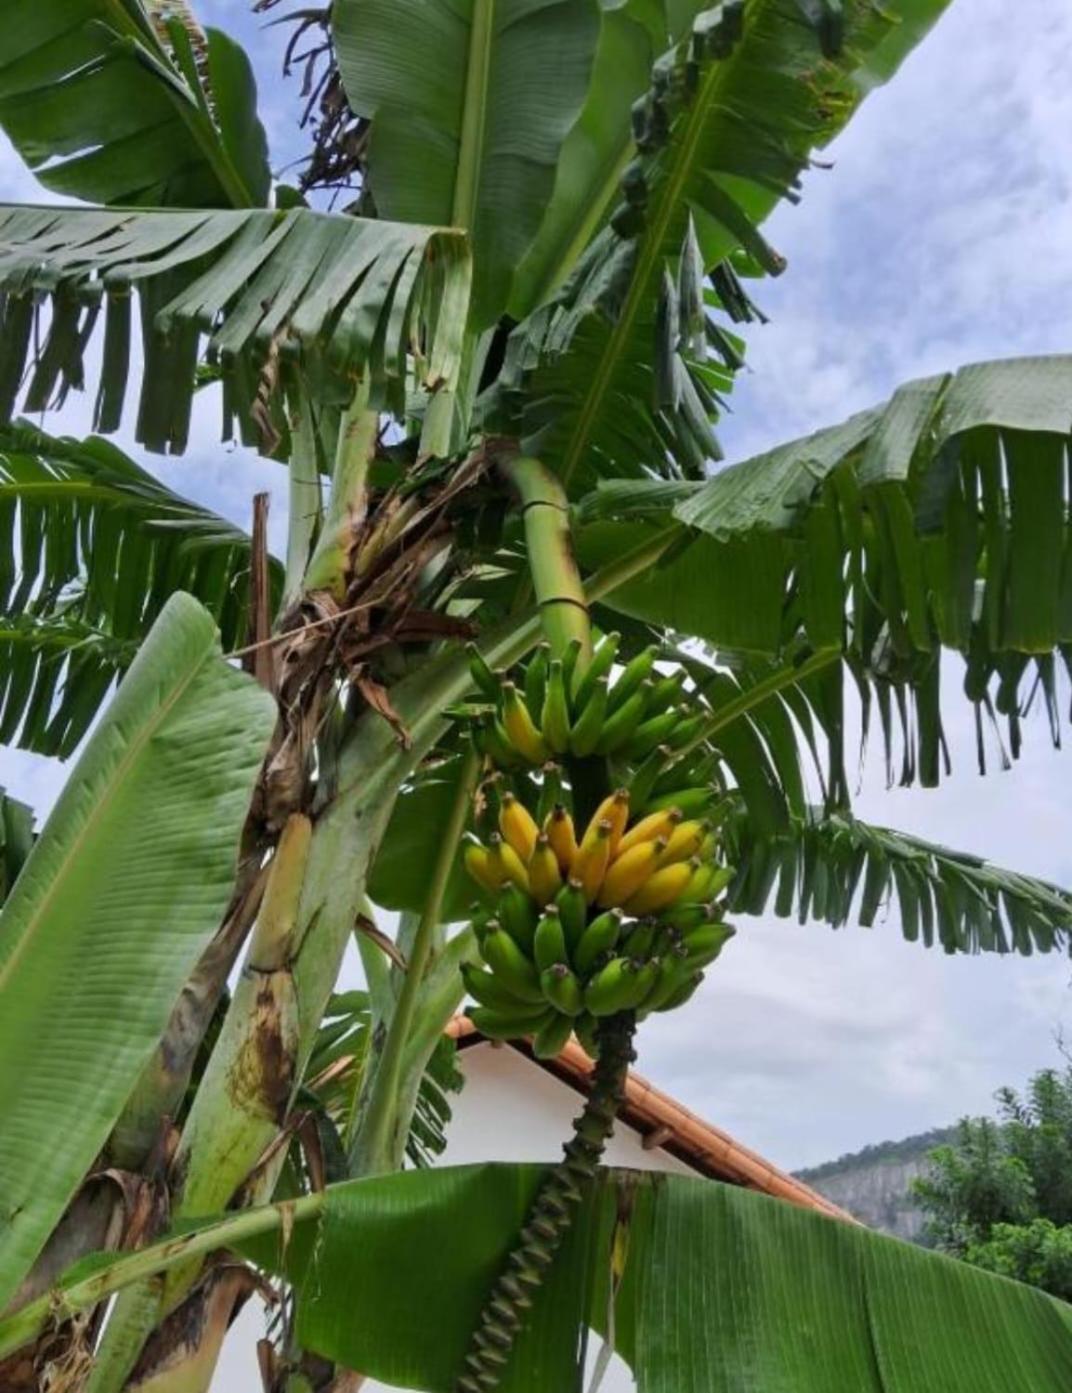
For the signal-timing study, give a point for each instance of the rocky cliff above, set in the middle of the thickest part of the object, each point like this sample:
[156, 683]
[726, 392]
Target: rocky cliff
[874, 1184]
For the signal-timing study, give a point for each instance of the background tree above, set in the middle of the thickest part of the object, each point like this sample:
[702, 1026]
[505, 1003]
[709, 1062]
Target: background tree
[493, 381]
[1000, 1196]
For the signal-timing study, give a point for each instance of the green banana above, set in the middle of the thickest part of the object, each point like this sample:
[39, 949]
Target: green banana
[510, 965]
[555, 717]
[644, 780]
[550, 790]
[552, 1037]
[517, 915]
[664, 693]
[487, 990]
[600, 666]
[549, 945]
[688, 729]
[536, 680]
[562, 990]
[690, 915]
[699, 771]
[636, 671]
[495, 744]
[612, 989]
[655, 730]
[640, 940]
[569, 662]
[502, 1025]
[483, 678]
[619, 727]
[672, 973]
[573, 910]
[599, 937]
[682, 993]
[693, 802]
[704, 944]
[646, 977]
[588, 726]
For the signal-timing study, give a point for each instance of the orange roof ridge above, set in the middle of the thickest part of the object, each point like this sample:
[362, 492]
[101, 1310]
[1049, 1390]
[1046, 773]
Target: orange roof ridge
[702, 1145]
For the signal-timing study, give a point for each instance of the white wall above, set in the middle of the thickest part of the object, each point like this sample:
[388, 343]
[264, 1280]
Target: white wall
[509, 1110]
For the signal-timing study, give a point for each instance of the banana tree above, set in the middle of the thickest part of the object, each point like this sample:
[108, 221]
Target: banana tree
[526, 647]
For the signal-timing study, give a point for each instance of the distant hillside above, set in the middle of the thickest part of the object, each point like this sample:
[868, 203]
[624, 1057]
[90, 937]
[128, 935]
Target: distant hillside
[873, 1184]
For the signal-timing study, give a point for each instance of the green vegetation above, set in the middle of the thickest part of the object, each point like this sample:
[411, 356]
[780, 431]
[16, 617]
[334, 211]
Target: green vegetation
[999, 1194]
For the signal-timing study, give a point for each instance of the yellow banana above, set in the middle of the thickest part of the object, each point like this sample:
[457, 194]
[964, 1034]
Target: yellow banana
[520, 728]
[545, 877]
[629, 872]
[615, 810]
[590, 863]
[660, 824]
[478, 863]
[661, 889]
[506, 864]
[684, 841]
[559, 828]
[517, 825]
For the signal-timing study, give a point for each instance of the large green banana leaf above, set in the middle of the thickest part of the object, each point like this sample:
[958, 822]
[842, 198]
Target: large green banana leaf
[105, 106]
[101, 547]
[937, 520]
[718, 1290]
[122, 890]
[341, 296]
[471, 102]
[731, 120]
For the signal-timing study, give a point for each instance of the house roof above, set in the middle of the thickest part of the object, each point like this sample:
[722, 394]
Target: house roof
[664, 1123]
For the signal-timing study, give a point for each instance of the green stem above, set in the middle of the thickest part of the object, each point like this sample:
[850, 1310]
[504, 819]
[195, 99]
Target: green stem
[160, 1257]
[552, 1212]
[474, 115]
[377, 1144]
[330, 565]
[560, 592]
[304, 501]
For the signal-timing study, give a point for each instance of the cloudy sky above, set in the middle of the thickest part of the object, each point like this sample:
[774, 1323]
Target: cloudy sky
[940, 237]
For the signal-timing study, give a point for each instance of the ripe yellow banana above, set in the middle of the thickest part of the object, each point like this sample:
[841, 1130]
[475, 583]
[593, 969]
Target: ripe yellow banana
[545, 876]
[660, 824]
[563, 839]
[661, 889]
[628, 873]
[590, 863]
[518, 826]
[684, 841]
[615, 810]
[506, 864]
[478, 863]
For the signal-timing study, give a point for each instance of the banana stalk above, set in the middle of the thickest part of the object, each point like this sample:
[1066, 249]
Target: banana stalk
[557, 581]
[552, 1212]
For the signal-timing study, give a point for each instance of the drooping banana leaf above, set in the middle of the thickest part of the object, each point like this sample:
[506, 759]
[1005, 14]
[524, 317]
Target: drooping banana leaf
[124, 886]
[732, 118]
[106, 106]
[470, 103]
[247, 293]
[833, 868]
[939, 520]
[102, 545]
[718, 1289]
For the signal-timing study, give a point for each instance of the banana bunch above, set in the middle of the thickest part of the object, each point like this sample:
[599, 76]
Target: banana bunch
[624, 917]
[558, 710]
